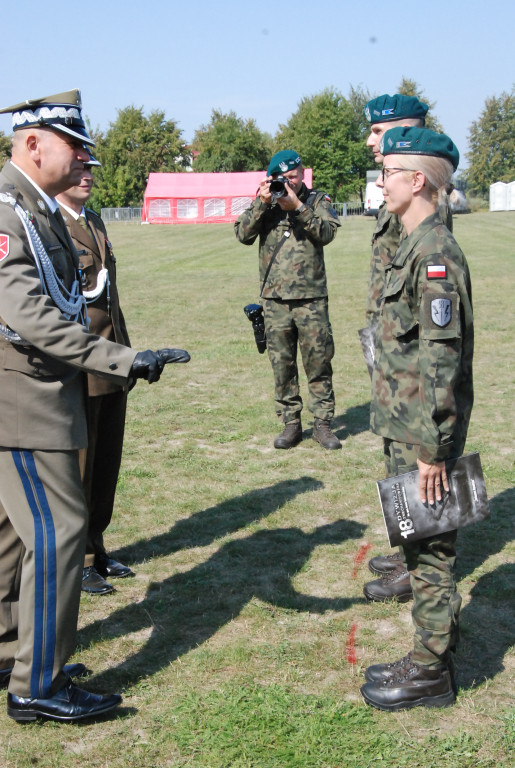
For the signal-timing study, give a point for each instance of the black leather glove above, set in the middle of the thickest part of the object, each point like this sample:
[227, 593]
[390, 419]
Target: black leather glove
[173, 355]
[149, 365]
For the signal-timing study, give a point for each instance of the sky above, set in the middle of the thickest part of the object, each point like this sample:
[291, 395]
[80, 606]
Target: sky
[257, 59]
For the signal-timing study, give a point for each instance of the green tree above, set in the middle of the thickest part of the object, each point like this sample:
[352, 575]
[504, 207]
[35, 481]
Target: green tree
[410, 88]
[230, 144]
[329, 132]
[5, 148]
[492, 144]
[133, 147]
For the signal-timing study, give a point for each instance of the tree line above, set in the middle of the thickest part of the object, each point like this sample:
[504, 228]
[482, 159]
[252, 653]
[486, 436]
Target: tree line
[328, 130]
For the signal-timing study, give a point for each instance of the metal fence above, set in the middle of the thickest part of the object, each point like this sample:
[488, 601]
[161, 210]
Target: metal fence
[121, 214]
[348, 209]
[134, 214]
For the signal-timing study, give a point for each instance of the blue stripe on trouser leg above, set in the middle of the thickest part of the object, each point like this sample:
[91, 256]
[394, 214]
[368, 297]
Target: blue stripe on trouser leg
[45, 575]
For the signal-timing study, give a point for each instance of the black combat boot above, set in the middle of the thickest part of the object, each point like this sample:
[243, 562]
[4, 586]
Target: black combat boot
[408, 685]
[290, 436]
[382, 565]
[323, 435]
[395, 585]
[378, 673]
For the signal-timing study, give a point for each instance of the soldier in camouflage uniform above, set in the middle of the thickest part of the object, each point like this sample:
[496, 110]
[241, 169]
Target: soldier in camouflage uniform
[422, 400]
[383, 113]
[292, 231]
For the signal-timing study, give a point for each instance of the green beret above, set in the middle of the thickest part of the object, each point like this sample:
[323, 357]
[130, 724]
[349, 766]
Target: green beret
[283, 161]
[398, 107]
[418, 141]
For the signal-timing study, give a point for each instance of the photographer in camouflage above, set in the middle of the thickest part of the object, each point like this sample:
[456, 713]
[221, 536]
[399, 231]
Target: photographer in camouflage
[422, 399]
[293, 229]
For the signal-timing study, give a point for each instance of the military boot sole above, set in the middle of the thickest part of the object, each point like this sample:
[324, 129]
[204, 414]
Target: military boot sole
[441, 700]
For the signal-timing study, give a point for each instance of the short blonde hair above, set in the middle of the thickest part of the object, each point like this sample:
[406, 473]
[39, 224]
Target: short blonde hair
[437, 170]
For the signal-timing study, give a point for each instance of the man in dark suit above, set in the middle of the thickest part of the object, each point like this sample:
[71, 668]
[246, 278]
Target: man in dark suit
[107, 405]
[45, 350]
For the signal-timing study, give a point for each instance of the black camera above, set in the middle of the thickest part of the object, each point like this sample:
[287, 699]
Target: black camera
[278, 187]
[254, 313]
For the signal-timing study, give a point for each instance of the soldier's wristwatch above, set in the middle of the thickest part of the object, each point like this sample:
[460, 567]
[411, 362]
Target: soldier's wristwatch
[297, 211]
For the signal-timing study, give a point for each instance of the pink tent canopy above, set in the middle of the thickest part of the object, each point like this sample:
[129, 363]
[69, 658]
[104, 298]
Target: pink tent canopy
[193, 198]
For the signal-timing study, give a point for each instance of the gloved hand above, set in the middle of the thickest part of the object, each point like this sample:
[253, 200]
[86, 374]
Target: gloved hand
[149, 365]
[173, 355]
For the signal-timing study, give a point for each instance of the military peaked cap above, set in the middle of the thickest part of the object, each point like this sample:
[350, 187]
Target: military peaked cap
[398, 107]
[61, 111]
[283, 161]
[92, 162]
[419, 141]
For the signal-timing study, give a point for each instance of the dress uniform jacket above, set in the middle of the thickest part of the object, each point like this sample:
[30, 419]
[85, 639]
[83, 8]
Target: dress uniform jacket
[41, 387]
[107, 400]
[105, 314]
[42, 422]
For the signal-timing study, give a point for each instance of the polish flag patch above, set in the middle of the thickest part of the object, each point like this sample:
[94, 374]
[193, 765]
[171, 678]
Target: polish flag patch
[4, 246]
[436, 270]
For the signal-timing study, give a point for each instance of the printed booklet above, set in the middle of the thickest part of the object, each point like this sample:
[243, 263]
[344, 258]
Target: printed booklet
[408, 519]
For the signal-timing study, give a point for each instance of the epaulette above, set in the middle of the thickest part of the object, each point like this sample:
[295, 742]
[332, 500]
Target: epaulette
[5, 197]
[90, 210]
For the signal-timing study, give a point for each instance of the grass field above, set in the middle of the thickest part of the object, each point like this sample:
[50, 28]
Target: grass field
[243, 638]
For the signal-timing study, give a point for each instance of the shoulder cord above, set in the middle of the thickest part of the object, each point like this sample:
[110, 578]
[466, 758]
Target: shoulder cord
[71, 303]
[102, 281]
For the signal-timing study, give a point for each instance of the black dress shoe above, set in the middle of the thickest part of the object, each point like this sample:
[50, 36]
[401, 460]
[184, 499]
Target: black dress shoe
[394, 586]
[94, 583]
[109, 568]
[68, 704]
[411, 686]
[72, 670]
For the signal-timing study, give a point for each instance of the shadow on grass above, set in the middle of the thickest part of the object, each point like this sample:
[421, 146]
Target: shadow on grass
[204, 527]
[488, 620]
[187, 609]
[354, 421]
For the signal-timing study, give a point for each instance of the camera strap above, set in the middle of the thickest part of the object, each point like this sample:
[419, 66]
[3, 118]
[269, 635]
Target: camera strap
[276, 251]
[310, 203]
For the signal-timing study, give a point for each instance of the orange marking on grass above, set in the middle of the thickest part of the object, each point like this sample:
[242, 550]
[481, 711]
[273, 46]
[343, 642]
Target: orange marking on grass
[360, 557]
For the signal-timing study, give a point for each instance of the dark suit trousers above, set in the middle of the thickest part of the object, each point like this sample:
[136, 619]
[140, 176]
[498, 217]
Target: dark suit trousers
[106, 425]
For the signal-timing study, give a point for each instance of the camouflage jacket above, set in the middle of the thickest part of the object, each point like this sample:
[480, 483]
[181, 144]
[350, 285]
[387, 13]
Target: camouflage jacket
[386, 238]
[298, 271]
[422, 382]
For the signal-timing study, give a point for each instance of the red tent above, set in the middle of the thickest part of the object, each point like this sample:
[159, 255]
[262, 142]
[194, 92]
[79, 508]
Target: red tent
[194, 198]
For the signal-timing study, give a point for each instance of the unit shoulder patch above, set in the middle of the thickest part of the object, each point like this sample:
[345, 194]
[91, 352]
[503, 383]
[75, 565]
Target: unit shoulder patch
[4, 246]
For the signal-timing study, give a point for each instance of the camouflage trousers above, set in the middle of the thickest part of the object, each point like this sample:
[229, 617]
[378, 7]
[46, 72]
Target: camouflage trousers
[430, 562]
[304, 324]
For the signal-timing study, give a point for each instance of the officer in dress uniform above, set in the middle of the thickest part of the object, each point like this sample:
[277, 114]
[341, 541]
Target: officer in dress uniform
[45, 352]
[107, 401]
[383, 113]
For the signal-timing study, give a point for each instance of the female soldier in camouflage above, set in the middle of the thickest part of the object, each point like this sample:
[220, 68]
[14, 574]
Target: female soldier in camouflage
[422, 399]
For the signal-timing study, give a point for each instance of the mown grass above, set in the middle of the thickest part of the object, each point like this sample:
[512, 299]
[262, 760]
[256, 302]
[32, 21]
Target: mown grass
[233, 643]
